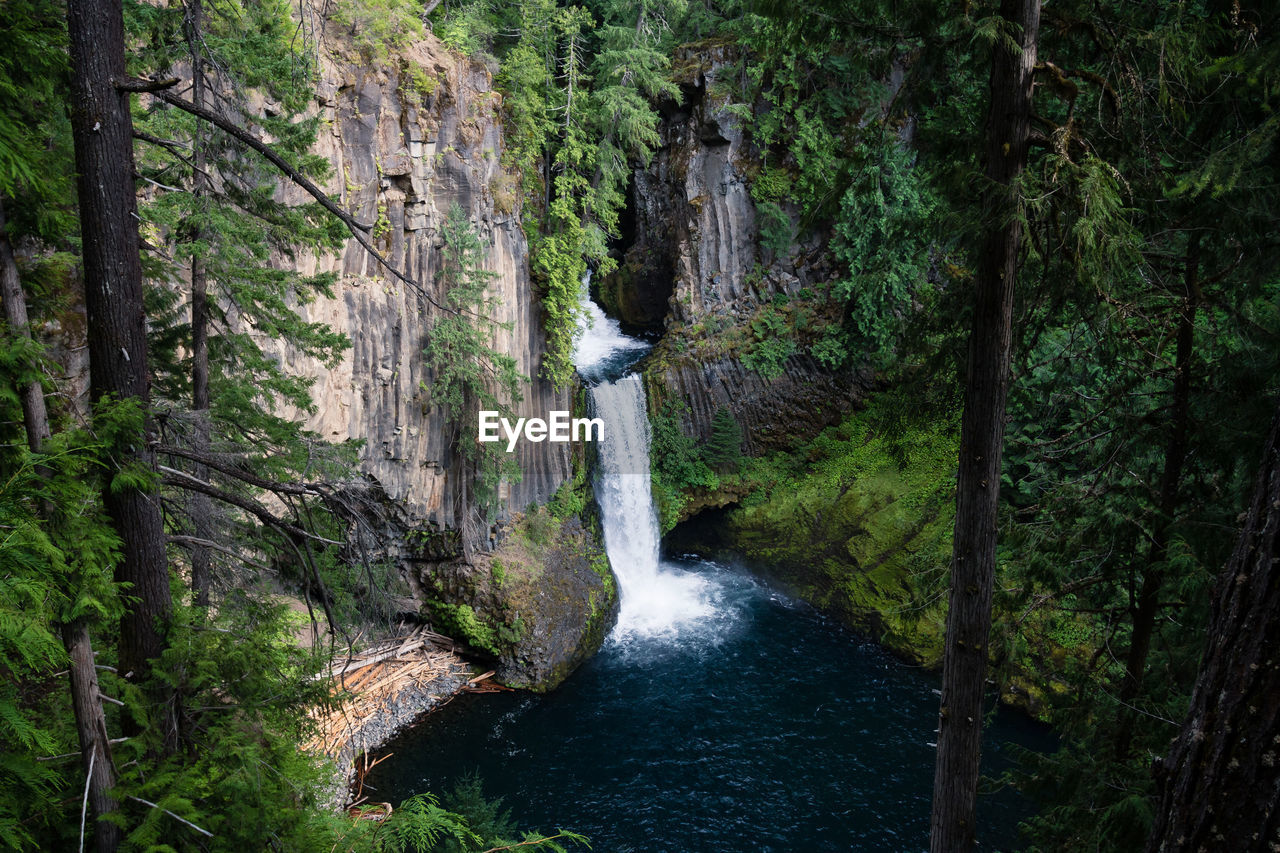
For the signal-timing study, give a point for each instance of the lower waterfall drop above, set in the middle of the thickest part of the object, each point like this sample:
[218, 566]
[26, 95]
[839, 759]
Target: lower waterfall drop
[656, 599]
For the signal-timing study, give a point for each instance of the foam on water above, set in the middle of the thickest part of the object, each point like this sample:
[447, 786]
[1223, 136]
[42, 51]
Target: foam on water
[657, 600]
[600, 339]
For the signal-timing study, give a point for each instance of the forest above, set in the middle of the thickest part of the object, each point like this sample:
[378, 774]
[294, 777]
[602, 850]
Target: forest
[949, 332]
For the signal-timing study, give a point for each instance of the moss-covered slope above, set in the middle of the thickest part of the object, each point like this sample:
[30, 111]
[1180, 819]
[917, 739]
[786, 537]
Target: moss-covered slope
[849, 529]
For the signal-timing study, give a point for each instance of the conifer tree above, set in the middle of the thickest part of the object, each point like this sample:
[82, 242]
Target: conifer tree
[964, 672]
[102, 128]
[468, 374]
[1220, 782]
[723, 451]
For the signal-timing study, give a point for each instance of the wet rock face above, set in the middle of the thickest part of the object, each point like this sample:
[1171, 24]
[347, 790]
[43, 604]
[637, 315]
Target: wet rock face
[405, 146]
[695, 243]
[537, 607]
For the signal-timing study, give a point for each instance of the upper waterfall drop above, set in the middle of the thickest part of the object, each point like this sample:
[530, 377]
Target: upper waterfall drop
[601, 341]
[655, 600]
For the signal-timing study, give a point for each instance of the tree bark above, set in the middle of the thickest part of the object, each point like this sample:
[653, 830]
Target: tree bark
[199, 504]
[102, 130]
[34, 414]
[91, 727]
[86, 698]
[1220, 784]
[955, 786]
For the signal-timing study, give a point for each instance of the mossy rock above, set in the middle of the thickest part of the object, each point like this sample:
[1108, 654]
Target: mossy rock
[537, 607]
[848, 529]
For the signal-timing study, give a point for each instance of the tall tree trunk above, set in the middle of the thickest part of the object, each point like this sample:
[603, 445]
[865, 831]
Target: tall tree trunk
[955, 785]
[91, 728]
[34, 414]
[1220, 784]
[102, 130]
[199, 504]
[1147, 606]
[86, 698]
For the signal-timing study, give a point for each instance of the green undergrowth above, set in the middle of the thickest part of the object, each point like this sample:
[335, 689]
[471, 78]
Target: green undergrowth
[854, 531]
[860, 524]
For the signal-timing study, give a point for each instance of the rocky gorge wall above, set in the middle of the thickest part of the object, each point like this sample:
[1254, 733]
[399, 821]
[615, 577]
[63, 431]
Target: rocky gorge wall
[407, 140]
[409, 137]
[693, 266]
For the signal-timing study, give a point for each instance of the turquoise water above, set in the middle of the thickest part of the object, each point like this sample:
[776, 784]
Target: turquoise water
[764, 726]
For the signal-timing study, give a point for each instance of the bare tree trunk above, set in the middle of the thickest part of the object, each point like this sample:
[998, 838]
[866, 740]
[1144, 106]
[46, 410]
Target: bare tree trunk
[34, 414]
[955, 785]
[1220, 784]
[102, 129]
[199, 504]
[86, 698]
[91, 727]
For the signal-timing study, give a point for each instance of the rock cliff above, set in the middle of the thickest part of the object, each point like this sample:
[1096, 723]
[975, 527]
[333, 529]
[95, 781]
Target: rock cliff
[407, 139]
[693, 263]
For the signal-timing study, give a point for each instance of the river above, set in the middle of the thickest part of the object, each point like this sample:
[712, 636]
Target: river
[721, 715]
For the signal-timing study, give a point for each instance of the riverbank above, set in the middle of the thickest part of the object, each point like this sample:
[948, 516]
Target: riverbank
[381, 691]
[859, 525]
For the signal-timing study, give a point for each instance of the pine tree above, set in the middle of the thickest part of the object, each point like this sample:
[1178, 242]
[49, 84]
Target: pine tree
[102, 128]
[723, 450]
[1220, 782]
[964, 671]
[467, 373]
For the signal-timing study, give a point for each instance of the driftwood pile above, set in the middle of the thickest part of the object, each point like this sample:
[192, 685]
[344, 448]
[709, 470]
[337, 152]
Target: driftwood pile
[367, 683]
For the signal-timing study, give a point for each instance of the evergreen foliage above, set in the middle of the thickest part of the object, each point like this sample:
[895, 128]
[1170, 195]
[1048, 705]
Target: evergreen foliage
[467, 373]
[1147, 346]
[723, 452]
[240, 685]
[578, 87]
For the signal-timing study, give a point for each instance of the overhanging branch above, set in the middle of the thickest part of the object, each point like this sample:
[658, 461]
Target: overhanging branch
[183, 480]
[357, 229]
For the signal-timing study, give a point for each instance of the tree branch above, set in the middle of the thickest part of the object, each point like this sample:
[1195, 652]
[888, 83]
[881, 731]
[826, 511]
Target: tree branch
[196, 542]
[217, 464]
[178, 818]
[139, 84]
[358, 229]
[183, 480]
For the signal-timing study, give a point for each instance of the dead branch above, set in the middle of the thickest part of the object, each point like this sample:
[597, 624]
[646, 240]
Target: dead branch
[183, 480]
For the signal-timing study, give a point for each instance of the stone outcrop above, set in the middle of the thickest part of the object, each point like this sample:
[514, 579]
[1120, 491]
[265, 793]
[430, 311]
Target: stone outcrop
[537, 606]
[695, 265]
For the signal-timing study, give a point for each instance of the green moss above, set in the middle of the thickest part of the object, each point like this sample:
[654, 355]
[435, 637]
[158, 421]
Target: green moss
[855, 532]
[459, 620]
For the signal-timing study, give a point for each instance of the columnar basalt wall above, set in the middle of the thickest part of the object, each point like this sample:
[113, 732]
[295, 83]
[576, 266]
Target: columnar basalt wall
[694, 250]
[408, 139]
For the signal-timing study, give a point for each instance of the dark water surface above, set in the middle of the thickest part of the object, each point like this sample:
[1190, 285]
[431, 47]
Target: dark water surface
[764, 726]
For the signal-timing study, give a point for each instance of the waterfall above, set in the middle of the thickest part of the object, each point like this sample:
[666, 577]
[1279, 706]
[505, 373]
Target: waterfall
[655, 599]
[602, 347]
